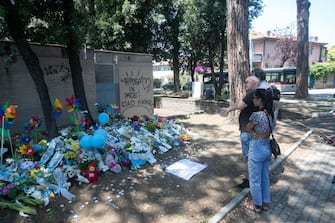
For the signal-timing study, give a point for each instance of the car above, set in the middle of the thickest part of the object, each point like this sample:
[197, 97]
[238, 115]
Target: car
[207, 77]
[187, 86]
[168, 86]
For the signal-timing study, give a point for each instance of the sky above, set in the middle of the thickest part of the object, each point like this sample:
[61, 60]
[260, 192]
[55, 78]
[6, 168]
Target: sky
[282, 13]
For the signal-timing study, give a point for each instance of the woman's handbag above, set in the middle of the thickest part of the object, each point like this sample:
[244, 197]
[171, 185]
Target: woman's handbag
[275, 148]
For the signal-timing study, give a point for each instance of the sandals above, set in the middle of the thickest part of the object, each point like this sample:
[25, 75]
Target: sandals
[265, 207]
[252, 207]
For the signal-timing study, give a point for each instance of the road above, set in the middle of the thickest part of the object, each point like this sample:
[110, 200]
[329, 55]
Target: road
[326, 93]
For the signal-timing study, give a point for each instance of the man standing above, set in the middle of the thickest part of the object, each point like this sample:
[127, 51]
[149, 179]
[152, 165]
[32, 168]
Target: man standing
[260, 74]
[246, 107]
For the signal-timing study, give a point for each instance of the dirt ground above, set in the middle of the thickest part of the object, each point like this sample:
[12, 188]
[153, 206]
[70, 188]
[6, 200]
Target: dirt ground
[151, 195]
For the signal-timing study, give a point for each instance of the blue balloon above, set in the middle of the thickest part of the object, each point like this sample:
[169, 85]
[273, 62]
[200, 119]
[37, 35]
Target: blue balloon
[98, 141]
[86, 142]
[101, 132]
[103, 118]
[81, 134]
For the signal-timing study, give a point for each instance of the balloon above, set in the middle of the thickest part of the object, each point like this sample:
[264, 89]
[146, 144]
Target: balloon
[103, 118]
[86, 142]
[98, 141]
[81, 134]
[101, 132]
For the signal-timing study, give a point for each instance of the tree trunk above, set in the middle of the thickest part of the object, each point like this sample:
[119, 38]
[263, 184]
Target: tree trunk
[175, 51]
[211, 65]
[16, 30]
[238, 47]
[302, 49]
[91, 6]
[73, 48]
[176, 70]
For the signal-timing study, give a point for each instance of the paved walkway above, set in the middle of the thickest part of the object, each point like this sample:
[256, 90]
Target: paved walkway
[304, 193]
[301, 187]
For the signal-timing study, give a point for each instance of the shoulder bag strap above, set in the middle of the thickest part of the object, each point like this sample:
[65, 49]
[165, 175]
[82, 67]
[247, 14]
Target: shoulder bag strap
[270, 125]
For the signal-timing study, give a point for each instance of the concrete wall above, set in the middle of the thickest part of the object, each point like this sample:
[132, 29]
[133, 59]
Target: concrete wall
[190, 105]
[110, 77]
[18, 88]
[328, 81]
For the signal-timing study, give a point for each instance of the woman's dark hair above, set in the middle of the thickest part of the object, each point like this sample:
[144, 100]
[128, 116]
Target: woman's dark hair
[266, 97]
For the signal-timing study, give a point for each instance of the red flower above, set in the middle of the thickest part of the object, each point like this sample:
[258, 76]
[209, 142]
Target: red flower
[29, 150]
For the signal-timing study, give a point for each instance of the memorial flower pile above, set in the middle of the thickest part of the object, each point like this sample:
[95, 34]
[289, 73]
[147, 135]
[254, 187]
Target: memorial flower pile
[38, 170]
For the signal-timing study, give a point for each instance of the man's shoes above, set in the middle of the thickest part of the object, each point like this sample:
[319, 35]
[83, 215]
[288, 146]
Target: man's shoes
[244, 184]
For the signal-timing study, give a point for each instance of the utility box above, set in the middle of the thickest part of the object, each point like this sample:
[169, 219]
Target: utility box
[125, 79]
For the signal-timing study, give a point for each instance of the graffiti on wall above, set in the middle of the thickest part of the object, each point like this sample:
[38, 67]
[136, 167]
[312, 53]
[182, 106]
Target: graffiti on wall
[136, 96]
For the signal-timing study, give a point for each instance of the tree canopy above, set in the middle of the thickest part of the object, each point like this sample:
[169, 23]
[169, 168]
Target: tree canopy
[321, 69]
[331, 54]
[286, 51]
[186, 31]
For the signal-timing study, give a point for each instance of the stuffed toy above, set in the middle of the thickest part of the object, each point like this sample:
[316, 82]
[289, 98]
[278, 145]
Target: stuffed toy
[112, 164]
[101, 164]
[74, 175]
[92, 172]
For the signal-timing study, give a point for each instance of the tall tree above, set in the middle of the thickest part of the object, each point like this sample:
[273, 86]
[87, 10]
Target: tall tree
[204, 28]
[17, 32]
[238, 47]
[303, 49]
[195, 32]
[73, 47]
[169, 15]
[214, 33]
[205, 33]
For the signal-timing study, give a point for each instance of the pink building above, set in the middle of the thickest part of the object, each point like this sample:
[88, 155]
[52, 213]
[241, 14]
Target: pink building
[263, 50]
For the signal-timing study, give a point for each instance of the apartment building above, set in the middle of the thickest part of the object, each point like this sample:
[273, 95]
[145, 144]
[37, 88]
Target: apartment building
[263, 53]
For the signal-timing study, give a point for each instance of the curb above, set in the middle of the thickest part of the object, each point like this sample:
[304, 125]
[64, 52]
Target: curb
[322, 114]
[243, 194]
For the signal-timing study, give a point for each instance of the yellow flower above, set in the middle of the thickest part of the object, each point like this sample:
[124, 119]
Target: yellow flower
[70, 155]
[75, 146]
[34, 173]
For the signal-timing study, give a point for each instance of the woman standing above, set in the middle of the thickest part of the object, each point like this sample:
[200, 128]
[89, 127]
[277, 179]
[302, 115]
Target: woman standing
[259, 157]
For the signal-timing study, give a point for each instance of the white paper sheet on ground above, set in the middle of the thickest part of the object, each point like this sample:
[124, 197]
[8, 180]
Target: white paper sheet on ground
[185, 168]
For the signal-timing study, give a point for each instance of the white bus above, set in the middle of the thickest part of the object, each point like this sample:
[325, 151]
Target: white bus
[283, 78]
